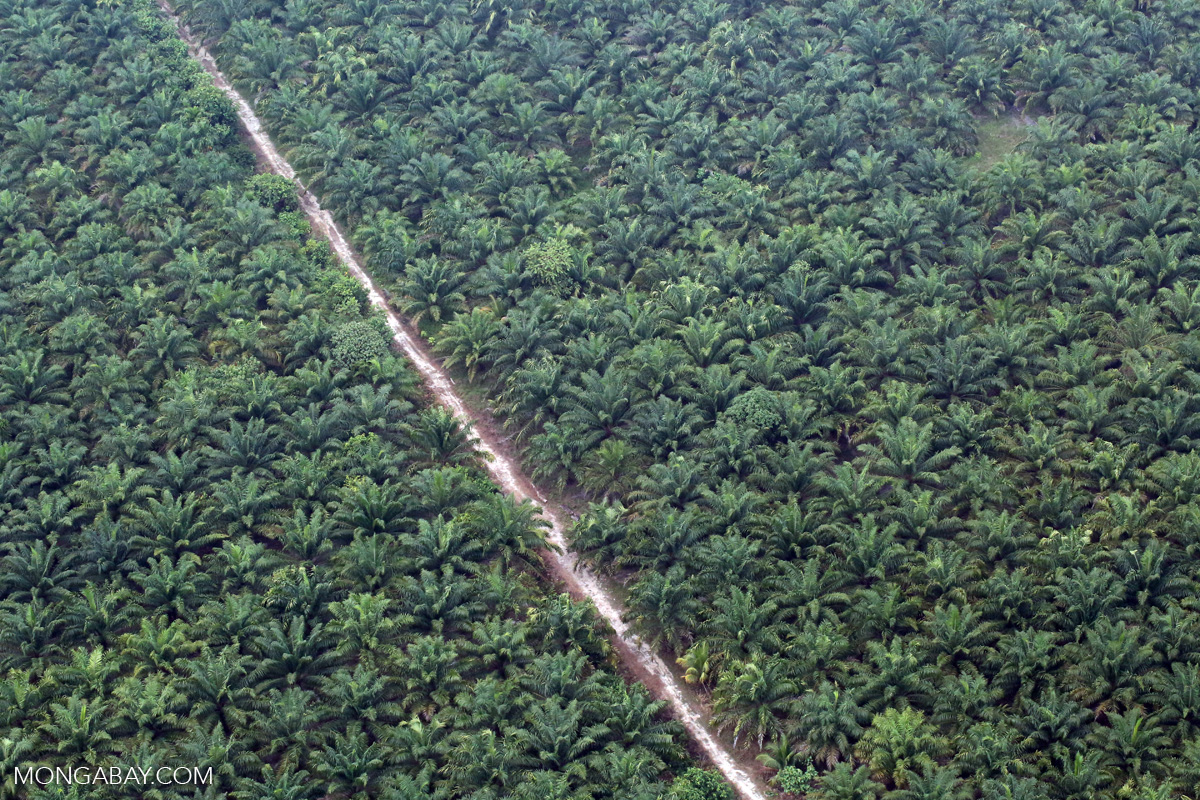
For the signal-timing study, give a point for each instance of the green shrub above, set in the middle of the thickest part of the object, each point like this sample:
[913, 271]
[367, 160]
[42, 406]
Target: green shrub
[274, 191]
[222, 382]
[757, 410]
[213, 106]
[318, 253]
[339, 292]
[356, 342]
[794, 780]
[701, 784]
[549, 263]
[296, 223]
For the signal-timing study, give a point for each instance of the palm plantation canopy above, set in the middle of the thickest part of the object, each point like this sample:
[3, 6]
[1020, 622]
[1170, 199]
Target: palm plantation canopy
[869, 330]
[233, 537]
[866, 335]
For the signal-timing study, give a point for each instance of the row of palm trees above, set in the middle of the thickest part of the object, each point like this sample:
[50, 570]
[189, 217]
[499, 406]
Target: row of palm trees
[233, 536]
[890, 431]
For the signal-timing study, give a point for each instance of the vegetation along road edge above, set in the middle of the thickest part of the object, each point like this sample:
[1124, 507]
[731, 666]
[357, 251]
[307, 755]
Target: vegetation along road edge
[635, 654]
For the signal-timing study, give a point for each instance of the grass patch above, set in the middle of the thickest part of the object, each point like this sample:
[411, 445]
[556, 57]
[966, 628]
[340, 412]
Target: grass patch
[999, 136]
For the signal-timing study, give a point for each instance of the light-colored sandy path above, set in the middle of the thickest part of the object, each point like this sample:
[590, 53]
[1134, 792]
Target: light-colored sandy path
[581, 581]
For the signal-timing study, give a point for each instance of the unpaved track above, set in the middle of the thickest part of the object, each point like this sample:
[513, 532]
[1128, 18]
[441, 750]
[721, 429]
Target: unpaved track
[580, 581]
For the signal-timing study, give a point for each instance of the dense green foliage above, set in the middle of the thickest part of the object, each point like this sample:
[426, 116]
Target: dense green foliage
[230, 537]
[896, 444]
[793, 780]
[700, 784]
[273, 191]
